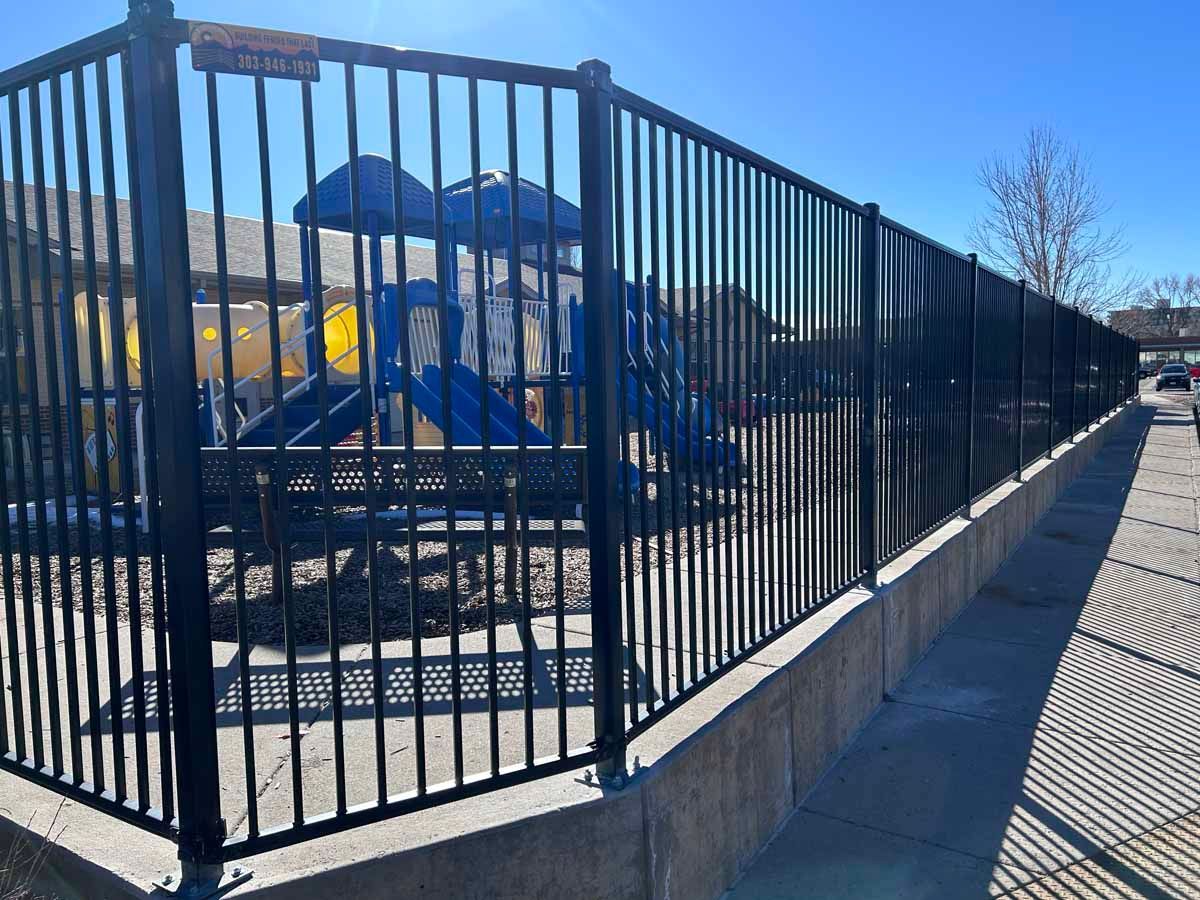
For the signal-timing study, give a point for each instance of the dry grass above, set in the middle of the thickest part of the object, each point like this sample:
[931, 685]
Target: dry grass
[26, 856]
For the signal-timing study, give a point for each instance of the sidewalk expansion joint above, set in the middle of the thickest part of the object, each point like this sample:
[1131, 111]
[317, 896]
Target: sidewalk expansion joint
[1048, 729]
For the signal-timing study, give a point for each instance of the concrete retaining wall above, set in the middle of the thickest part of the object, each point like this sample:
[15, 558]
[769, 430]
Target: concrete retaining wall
[719, 775]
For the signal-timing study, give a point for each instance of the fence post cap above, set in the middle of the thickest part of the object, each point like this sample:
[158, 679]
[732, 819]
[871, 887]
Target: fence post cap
[596, 73]
[145, 9]
[149, 16]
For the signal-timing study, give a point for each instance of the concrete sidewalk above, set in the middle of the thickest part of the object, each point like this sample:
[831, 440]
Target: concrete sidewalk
[1048, 745]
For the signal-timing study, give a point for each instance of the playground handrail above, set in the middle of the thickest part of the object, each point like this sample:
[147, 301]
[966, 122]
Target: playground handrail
[501, 337]
[248, 423]
[292, 441]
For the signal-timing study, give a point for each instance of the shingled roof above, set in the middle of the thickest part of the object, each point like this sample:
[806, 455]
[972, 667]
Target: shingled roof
[244, 243]
[714, 295]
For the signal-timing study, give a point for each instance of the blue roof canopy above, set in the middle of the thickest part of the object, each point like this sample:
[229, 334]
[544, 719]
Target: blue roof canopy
[375, 196]
[494, 190]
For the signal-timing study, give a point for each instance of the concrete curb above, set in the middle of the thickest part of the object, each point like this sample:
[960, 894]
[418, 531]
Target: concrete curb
[725, 771]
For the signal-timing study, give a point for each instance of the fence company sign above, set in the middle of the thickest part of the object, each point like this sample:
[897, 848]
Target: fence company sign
[235, 50]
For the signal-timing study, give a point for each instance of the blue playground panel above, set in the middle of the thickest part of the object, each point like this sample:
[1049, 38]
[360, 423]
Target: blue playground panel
[496, 202]
[375, 199]
[703, 416]
[376, 209]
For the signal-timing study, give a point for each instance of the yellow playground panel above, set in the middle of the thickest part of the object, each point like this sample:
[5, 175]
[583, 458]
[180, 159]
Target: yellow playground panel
[250, 333]
[91, 447]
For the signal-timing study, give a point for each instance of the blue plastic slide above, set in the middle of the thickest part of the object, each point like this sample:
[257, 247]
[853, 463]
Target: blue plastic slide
[426, 397]
[465, 390]
[697, 442]
[502, 415]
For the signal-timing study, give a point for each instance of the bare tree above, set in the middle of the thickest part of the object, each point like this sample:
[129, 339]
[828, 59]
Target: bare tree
[1163, 307]
[1044, 224]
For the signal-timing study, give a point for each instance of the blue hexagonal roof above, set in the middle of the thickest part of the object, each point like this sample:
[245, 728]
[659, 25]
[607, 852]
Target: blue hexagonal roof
[375, 196]
[494, 189]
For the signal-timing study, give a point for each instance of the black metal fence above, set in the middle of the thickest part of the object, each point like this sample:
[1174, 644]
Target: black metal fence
[322, 482]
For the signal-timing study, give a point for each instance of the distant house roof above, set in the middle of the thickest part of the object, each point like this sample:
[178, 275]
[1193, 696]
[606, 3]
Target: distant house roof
[244, 246]
[1186, 342]
[714, 295]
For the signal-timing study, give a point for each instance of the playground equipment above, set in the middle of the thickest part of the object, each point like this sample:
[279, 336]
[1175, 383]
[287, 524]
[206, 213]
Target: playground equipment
[663, 399]
[522, 332]
[415, 303]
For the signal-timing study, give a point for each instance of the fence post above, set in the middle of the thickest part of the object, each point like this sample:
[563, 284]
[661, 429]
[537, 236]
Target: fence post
[1087, 399]
[600, 350]
[970, 487]
[1094, 354]
[1074, 367]
[1135, 346]
[1126, 370]
[1053, 367]
[1123, 392]
[868, 517]
[166, 277]
[1106, 385]
[1021, 386]
[1137, 361]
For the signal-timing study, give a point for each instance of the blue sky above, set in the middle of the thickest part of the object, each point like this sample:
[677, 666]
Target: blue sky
[897, 104]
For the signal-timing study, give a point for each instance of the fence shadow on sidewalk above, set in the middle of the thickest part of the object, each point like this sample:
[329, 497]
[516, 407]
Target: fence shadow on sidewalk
[1105, 681]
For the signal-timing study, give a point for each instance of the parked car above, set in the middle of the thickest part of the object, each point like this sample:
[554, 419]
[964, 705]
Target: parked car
[743, 411]
[739, 412]
[1173, 375]
[1194, 370]
[1145, 370]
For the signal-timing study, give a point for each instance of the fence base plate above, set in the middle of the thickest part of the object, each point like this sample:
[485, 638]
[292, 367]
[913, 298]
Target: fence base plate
[202, 882]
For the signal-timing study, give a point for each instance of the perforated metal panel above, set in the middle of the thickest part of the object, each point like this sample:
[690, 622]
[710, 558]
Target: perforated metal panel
[348, 485]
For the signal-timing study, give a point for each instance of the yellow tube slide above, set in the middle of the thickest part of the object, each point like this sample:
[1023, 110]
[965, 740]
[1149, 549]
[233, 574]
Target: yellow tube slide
[250, 335]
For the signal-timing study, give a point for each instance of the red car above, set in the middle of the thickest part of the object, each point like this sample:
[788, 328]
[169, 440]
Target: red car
[1194, 369]
[744, 412]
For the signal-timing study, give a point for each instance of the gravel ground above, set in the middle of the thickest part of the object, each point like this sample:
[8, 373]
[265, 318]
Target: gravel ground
[310, 585]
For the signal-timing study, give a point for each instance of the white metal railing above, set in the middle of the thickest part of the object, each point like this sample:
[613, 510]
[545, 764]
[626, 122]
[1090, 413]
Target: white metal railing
[672, 381]
[424, 336]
